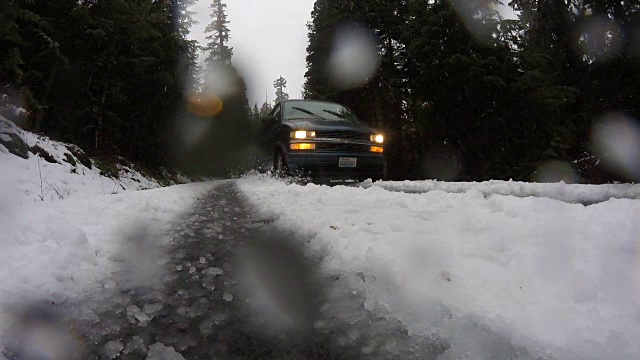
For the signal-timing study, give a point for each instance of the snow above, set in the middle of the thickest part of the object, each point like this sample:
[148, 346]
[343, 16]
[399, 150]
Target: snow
[557, 278]
[62, 249]
[27, 181]
[572, 193]
[136, 345]
[478, 264]
[213, 271]
[134, 312]
[158, 351]
[112, 349]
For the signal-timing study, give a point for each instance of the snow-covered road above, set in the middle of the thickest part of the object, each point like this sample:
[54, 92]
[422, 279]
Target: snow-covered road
[226, 285]
[463, 274]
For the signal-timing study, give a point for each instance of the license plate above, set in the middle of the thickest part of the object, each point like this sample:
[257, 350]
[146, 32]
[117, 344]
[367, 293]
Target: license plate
[345, 162]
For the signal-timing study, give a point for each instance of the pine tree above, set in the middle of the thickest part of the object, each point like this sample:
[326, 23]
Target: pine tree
[265, 109]
[227, 138]
[219, 34]
[280, 85]
[545, 90]
[106, 75]
[10, 39]
[459, 85]
[256, 113]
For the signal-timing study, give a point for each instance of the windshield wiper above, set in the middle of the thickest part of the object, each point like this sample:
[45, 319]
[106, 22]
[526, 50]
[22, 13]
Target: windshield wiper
[308, 112]
[334, 113]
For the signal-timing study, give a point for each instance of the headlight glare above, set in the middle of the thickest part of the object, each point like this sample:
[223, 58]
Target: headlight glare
[377, 139]
[303, 134]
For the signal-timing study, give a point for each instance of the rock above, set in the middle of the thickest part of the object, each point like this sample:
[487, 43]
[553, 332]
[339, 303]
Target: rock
[70, 159]
[37, 150]
[80, 155]
[15, 145]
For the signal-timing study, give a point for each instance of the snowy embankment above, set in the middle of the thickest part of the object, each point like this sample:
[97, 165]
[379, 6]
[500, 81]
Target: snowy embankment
[37, 168]
[560, 280]
[66, 228]
[64, 249]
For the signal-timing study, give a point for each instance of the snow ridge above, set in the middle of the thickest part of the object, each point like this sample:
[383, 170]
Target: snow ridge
[571, 193]
[559, 280]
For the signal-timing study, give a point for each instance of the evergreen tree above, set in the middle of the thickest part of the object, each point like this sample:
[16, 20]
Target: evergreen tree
[546, 92]
[218, 34]
[460, 88]
[265, 109]
[280, 85]
[226, 140]
[106, 75]
[10, 41]
[255, 113]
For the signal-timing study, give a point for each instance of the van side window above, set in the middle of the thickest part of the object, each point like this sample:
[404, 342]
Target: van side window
[276, 112]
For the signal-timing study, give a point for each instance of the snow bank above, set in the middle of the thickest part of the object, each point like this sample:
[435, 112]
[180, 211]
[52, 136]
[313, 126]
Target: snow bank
[35, 179]
[55, 250]
[572, 193]
[557, 279]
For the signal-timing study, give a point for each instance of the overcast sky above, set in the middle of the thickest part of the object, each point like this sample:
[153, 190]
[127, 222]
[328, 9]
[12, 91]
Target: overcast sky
[269, 39]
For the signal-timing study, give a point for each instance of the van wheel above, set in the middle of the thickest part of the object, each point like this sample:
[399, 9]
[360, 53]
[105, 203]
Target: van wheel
[280, 165]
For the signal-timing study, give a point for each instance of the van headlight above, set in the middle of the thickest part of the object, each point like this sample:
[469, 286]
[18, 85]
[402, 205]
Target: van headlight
[377, 139]
[303, 134]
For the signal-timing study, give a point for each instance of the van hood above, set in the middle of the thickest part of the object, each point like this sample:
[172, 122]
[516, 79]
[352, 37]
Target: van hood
[329, 125]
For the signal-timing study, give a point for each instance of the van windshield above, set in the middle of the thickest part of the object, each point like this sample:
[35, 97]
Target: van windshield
[317, 110]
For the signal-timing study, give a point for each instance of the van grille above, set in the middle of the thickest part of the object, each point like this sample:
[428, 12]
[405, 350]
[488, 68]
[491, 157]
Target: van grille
[338, 147]
[349, 135]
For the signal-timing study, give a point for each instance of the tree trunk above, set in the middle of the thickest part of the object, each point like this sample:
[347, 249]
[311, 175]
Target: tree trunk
[40, 113]
[100, 118]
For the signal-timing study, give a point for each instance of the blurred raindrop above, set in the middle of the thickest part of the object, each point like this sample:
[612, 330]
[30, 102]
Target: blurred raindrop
[554, 171]
[442, 162]
[616, 138]
[278, 281]
[601, 38]
[40, 332]
[215, 136]
[141, 256]
[220, 81]
[354, 57]
[204, 104]
[193, 131]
